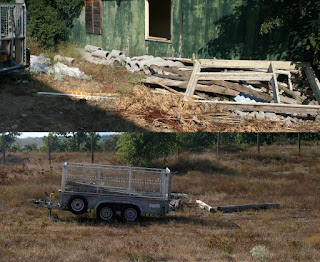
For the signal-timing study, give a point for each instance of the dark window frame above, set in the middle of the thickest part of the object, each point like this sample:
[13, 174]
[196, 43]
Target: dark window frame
[152, 37]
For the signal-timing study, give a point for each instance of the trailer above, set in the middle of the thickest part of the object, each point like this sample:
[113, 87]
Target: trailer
[109, 190]
[13, 36]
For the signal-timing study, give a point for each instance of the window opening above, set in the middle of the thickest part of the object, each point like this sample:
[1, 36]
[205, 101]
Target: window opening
[158, 19]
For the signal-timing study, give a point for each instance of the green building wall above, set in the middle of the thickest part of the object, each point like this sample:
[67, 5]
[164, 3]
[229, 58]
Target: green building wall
[225, 29]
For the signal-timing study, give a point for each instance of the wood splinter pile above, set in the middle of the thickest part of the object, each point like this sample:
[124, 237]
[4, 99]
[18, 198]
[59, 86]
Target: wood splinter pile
[269, 86]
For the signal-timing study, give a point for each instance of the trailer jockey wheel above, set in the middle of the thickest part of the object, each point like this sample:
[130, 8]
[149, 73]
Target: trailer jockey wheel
[78, 205]
[130, 214]
[105, 212]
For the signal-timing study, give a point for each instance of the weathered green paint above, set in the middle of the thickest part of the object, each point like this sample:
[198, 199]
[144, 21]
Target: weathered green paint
[224, 29]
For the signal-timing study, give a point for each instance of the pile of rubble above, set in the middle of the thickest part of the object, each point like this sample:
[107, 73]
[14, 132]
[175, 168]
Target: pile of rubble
[270, 90]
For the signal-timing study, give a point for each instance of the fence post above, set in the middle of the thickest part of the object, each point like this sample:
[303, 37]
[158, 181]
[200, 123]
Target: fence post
[49, 150]
[258, 142]
[218, 144]
[299, 142]
[3, 150]
[92, 150]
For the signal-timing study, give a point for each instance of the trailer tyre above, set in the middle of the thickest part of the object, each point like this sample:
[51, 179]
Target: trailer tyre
[105, 213]
[131, 213]
[78, 205]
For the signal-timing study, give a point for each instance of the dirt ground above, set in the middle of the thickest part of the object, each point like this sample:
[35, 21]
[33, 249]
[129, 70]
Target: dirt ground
[276, 175]
[134, 109]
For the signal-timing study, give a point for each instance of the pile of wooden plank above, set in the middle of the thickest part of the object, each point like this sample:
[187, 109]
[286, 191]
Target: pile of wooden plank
[277, 86]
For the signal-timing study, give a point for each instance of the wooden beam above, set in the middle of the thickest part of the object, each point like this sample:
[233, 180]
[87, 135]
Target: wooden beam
[274, 84]
[230, 209]
[183, 84]
[313, 81]
[193, 81]
[255, 76]
[205, 206]
[241, 88]
[250, 64]
[267, 107]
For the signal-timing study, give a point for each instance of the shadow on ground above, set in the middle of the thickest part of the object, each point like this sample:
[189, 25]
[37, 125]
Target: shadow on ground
[150, 221]
[21, 109]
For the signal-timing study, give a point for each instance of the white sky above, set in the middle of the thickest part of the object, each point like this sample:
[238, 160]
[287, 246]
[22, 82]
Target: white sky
[42, 134]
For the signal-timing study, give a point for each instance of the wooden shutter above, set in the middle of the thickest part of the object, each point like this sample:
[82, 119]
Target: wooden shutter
[93, 13]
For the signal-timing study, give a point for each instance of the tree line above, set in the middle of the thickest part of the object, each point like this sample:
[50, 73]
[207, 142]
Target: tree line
[143, 148]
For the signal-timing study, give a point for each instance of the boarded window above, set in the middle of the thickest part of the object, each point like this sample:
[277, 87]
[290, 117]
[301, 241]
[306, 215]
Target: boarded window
[158, 19]
[93, 16]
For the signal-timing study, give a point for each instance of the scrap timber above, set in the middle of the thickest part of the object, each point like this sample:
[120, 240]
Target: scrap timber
[274, 86]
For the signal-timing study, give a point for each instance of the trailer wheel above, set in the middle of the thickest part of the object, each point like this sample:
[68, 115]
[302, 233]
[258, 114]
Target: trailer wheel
[105, 212]
[131, 213]
[78, 205]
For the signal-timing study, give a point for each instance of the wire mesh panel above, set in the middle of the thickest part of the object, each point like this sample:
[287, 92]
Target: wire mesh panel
[12, 36]
[115, 179]
[12, 19]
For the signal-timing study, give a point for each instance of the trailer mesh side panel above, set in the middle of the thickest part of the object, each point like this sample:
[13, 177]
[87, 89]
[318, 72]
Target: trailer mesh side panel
[12, 36]
[115, 179]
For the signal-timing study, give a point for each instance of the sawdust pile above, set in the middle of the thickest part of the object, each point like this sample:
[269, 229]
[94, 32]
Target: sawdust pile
[169, 112]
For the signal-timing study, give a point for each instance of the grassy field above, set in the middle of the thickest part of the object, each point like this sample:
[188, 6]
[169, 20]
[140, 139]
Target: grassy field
[278, 174]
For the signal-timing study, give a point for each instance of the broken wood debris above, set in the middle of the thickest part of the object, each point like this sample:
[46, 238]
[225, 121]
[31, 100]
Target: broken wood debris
[267, 82]
[238, 208]
[205, 206]
[230, 209]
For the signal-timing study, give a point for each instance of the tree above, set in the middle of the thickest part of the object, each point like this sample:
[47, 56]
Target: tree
[301, 18]
[55, 145]
[142, 148]
[7, 139]
[48, 20]
[110, 143]
[31, 147]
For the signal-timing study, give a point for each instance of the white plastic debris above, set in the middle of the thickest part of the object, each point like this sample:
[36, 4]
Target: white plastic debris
[240, 98]
[39, 64]
[60, 69]
[63, 59]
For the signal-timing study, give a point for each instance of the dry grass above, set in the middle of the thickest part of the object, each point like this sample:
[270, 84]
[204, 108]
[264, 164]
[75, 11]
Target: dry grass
[277, 174]
[136, 109]
[170, 113]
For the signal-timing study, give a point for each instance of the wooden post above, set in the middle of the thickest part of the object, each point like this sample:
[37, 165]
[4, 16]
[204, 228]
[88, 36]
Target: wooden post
[49, 150]
[92, 149]
[274, 83]
[3, 149]
[218, 144]
[299, 142]
[178, 150]
[258, 142]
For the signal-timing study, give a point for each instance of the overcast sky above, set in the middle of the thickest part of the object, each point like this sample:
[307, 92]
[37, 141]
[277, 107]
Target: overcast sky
[42, 134]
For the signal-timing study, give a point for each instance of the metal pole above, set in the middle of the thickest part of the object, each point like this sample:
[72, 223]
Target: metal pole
[258, 142]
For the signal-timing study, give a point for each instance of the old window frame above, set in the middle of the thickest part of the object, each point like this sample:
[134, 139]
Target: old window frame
[147, 25]
[93, 17]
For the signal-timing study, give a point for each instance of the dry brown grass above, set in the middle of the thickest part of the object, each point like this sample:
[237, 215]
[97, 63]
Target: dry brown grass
[137, 109]
[170, 113]
[277, 174]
